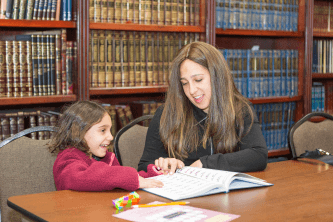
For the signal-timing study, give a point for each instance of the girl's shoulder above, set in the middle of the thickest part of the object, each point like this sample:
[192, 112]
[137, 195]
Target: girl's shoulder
[71, 151]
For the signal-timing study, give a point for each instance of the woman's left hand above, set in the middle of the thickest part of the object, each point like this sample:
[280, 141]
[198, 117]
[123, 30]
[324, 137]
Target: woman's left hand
[197, 164]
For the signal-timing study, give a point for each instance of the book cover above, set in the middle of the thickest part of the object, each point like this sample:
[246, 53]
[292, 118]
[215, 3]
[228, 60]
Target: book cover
[155, 12]
[57, 16]
[121, 116]
[23, 69]
[117, 11]
[16, 5]
[45, 72]
[137, 62]
[155, 55]
[69, 10]
[47, 122]
[53, 10]
[69, 67]
[104, 10]
[52, 65]
[168, 12]
[131, 61]
[48, 64]
[136, 11]
[149, 58]
[190, 182]
[35, 10]
[110, 11]
[101, 59]
[45, 6]
[109, 60]
[16, 71]
[22, 8]
[161, 12]
[9, 9]
[118, 60]
[181, 13]
[40, 9]
[174, 12]
[63, 61]
[40, 61]
[20, 121]
[9, 68]
[40, 122]
[124, 59]
[5, 128]
[12, 123]
[58, 68]
[3, 72]
[128, 113]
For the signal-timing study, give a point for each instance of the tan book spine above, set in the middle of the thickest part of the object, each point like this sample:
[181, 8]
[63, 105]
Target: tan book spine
[34, 65]
[113, 116]
[3, 72]
[69, 67]
[125, 60]
[137, 63]
[94, 77]
[40, 122]
[118, 57]
[97, 10]
[124, 17]
[29, 84]
[20, 121]
[130, 12]
[58, 68]
[9, 68]
[16, 5]
[131, 54]
[57, 10]
[46, 123]
[166, 56]
[91, 10]
[13, 124]
[136, 11]
[32, 122]
[22, 7]
[117, 11]
[5, 128]
[149, 58]
[16, 71]
[187, 9]
[143, 56]
[121, 115]
[101, 59]
[155, 46]
[23, 69]
[181, 12]
[174, 12]
[63, 61]
[160, 59]
[104, 10]
[197, 12]
[168, 12]
[109, 60]
[148, 12]
[192, 12]
[155, 12]
[161, 12]
[110, 12]
[128, 114]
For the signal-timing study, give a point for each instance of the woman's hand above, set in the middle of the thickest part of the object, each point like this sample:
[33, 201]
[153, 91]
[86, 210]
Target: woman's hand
[168, 165]
[149, 183]
[197, 164]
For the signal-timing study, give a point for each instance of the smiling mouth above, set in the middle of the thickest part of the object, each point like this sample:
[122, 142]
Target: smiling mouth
[198, 99]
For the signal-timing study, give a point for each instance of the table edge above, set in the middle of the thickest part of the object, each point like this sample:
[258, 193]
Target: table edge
[24, 212]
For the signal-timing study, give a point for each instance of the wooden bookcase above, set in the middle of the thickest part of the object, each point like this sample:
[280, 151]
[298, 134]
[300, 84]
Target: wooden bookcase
[318, 28]
[228, 39]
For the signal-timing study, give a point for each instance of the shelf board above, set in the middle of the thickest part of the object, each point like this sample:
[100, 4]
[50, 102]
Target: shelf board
[150, 28]
[276, 99]
[36, 23]
[322, 76]
[37, 100]
[322, 34]
[128, 90]
[279, 152]
[247, 32]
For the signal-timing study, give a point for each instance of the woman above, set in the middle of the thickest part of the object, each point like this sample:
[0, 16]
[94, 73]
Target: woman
[205, 121]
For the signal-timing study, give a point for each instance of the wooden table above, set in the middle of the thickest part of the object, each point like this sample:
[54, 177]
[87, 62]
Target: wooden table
[302, 191]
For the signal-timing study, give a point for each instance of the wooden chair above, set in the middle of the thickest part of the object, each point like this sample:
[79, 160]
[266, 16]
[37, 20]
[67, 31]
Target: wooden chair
[26, 167]
[130, 142]
[306, 135]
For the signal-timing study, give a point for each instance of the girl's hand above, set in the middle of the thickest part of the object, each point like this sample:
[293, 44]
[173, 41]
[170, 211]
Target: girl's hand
[149, 183]
[168, 165]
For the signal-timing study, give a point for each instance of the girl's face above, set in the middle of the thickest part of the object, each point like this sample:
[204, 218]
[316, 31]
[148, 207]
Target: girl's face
[99, 137]
[196, 84]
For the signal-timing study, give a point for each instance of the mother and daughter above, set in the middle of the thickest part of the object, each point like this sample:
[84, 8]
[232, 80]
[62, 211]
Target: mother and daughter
[205, 122]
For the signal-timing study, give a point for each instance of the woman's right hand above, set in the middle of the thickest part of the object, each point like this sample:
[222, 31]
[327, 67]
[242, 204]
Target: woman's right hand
[168, 165]
[149, 183]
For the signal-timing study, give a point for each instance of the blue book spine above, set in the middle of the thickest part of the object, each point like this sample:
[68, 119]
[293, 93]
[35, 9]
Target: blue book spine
[217, 14]
[239, 69]
[269, 125]
[274, 15]
[295, 23]
[248, 80]
[264, 73]
[236, 22]
[226, 14]
[248, 14]
[282, 76]
[283, 133]
[69, 10]
[287, 72]
[292, 69]
[323, 98]
[283, 16]
[256, 13]
[260, 77]
[49, 10]
[63, 11]
[287, 15]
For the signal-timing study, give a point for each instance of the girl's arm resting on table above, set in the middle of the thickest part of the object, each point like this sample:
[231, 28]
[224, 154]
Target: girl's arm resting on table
[72, 173]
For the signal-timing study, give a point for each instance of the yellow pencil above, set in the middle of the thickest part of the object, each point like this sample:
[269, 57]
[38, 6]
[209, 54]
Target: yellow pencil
[159, 205]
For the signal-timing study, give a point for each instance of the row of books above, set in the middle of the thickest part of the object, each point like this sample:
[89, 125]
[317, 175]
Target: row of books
[122, 114]
[322, 16]
[122, 59]
[37, 65]
[263, 73]
[281, 15]
[276, 120]
[36, 9]
[15, 122]
[322, 61]
[161, 12]
[318, 97]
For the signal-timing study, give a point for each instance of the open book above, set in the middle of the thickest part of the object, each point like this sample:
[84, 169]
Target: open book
[190, 182]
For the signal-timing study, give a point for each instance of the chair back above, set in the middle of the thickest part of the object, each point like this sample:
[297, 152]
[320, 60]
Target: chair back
[306, 135]
[26, 167]
[130, 142]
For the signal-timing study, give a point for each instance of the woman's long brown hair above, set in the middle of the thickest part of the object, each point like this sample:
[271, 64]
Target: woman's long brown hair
[225, 122]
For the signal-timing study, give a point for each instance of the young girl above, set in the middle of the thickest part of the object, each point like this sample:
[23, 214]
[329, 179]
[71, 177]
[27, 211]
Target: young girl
[84, 162]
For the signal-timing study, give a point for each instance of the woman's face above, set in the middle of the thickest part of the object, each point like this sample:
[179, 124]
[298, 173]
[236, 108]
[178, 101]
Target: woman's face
[195, 80]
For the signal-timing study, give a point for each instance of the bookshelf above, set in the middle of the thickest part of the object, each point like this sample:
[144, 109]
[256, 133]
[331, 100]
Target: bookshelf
[319, 24]
[81, 29]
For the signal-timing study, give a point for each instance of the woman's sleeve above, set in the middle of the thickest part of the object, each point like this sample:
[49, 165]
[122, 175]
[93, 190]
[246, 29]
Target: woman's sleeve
[154, 147]
[252, 154]
[72, 173]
